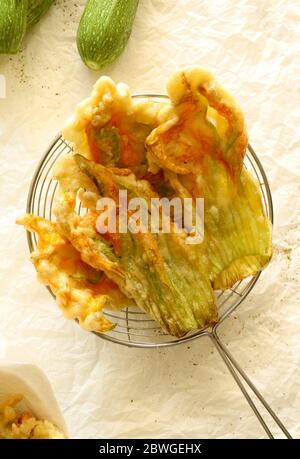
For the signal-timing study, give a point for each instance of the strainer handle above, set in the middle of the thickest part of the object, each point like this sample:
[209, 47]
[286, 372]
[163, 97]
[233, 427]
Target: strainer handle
[244, 382]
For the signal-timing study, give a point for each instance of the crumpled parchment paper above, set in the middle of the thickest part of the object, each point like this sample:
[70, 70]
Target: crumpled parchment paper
[106, 390]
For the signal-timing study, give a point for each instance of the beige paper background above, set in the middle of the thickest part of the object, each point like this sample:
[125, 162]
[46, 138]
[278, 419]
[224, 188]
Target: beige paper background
[105, 390]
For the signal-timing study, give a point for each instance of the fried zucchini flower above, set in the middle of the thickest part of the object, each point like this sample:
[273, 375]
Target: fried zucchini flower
[111, 126]
[200, 145]
[190, 147]
[81, 291]
[160, 272]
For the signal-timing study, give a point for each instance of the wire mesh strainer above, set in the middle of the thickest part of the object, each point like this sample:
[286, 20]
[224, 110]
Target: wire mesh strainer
[133, 327]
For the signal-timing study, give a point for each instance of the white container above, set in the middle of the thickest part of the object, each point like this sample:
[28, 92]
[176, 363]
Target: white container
[38, 397]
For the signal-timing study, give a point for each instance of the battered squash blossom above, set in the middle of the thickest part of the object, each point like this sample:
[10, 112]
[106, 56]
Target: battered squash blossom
[191, 146]
[200, 144]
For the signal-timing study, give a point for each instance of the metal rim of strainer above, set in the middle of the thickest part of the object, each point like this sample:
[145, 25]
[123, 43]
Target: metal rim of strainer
[137, 323]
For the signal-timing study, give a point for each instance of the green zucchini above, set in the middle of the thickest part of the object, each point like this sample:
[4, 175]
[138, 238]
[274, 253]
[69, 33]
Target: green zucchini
[104, 30]
[13, 20]
[36, 9]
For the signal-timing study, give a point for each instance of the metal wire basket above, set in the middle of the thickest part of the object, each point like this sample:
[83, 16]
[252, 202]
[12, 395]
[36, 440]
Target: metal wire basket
[134, 328]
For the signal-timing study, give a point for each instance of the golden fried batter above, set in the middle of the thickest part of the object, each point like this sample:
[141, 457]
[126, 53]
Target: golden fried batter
[111, 127]
[81, 291]
[200, 144]
[165, 276]
[17, 424]
[191, 147]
